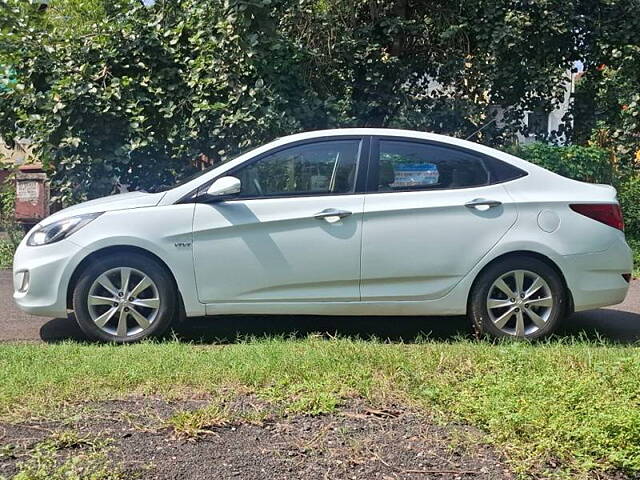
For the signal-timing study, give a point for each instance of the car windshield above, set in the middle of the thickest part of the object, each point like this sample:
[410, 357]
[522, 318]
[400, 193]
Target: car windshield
[163, 188]
[185, 180]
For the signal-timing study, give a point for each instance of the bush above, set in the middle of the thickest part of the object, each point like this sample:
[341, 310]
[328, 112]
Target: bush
[629, 196]
[150, 92]
[6, 254]
[634, 243]
[587, 164]
[8, 222]
[119, 93]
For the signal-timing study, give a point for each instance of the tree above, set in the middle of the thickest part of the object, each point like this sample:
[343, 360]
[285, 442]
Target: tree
[129, 94]
[607, 106]
[148, 90]
[438, 65]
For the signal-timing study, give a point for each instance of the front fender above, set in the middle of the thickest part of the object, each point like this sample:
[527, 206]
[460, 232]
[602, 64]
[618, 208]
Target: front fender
[165, 232]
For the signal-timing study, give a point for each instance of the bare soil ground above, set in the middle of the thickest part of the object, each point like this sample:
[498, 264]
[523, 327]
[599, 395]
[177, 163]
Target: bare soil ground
[355, 443]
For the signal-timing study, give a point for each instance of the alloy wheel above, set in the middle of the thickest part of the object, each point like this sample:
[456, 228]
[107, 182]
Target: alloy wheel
[123, 301]
[520, 303]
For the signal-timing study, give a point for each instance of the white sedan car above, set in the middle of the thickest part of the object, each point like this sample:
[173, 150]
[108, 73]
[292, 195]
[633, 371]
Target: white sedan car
[336, 222]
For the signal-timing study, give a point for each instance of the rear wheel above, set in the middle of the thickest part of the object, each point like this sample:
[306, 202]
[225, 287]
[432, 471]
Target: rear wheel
[124, 299]
[517, 297]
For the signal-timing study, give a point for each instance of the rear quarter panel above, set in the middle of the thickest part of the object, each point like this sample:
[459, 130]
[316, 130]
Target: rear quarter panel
[544, 215]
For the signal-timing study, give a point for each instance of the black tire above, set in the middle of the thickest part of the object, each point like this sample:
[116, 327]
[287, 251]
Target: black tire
[478, 310]
[163, 315]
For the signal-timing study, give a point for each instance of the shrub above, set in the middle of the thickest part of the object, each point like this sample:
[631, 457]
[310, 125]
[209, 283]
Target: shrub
[587, 164]
[6, 254]
[635, 248]
[130, 93]
[629, 196]
[8, 222]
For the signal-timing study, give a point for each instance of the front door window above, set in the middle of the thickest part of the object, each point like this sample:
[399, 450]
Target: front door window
[312, 169]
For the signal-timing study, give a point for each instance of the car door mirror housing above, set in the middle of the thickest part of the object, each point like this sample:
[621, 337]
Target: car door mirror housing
[224, 187]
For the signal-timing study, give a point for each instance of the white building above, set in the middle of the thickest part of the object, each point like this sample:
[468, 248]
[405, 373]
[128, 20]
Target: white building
[543, 124]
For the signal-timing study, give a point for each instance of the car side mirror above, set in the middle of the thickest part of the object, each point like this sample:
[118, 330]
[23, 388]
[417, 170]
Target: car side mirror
[224, 186]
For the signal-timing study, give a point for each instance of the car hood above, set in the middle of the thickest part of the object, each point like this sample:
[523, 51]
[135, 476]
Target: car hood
[122, 201]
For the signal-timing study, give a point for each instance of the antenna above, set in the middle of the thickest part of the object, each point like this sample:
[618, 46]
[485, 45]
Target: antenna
[480, 129]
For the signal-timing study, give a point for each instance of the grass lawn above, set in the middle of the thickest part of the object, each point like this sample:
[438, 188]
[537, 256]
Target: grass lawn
[574, 402]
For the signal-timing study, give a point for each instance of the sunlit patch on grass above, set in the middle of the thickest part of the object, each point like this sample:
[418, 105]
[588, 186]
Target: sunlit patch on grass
[90, 460]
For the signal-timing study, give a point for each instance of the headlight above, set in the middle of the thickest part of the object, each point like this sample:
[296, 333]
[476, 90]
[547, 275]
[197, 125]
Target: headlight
[56, 231]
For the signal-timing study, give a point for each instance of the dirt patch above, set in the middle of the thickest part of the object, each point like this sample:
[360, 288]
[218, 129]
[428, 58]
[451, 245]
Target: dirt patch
[354, 443]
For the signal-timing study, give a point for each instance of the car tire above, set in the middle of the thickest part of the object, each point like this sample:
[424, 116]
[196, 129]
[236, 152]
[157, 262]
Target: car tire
[107, 312]
[517, 297]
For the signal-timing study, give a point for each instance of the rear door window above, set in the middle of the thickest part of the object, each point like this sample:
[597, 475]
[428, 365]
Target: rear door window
[405, 165]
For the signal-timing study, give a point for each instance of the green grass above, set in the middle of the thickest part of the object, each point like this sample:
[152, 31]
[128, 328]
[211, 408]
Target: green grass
[576, 402]
[197, 422]
[218, 413]
[89, 462]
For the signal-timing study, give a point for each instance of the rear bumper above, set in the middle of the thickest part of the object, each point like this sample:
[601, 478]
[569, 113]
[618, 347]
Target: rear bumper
[595, 279]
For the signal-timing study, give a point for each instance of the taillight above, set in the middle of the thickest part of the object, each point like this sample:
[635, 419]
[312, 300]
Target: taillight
[607, 213]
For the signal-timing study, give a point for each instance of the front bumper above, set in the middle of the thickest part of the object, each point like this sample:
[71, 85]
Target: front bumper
[595, 279]
[41, 276]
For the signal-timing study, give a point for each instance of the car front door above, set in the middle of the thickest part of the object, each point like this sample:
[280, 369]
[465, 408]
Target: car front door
[293, 234]
[432, 213]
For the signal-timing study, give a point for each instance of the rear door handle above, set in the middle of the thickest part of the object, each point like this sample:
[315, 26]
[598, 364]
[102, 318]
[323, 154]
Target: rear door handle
[482, 202]
[332, 215]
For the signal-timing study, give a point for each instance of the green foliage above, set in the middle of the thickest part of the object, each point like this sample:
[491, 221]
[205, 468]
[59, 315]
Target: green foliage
[114, 92]
[7, 251]
[149, 90]
[587, 164]
[93, 464]
[607, 106]
[439, 65]
[77, 18]
[629, 197]
[8, 225]
[8, 222]
[634, 243]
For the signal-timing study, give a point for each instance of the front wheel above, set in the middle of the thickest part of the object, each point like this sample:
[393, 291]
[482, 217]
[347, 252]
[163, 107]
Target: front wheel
[517, 297]
[124, 298]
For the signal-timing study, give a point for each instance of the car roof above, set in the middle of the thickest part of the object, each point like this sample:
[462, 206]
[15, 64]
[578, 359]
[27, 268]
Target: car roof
[396, 132]
[415, 134]
[388, 132]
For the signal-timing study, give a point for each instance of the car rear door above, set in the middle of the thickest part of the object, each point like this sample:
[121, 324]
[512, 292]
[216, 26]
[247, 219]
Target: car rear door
[432, 212]
[294, 232]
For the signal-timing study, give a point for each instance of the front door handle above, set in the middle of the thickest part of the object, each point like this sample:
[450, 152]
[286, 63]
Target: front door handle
[482, 202]
[332, 215]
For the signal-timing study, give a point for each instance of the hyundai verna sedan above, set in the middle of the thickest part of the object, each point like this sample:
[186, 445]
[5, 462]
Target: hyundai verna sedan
[337, 222]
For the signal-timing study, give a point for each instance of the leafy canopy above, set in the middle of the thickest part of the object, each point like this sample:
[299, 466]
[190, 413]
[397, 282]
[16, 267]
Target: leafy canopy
[115, 92]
